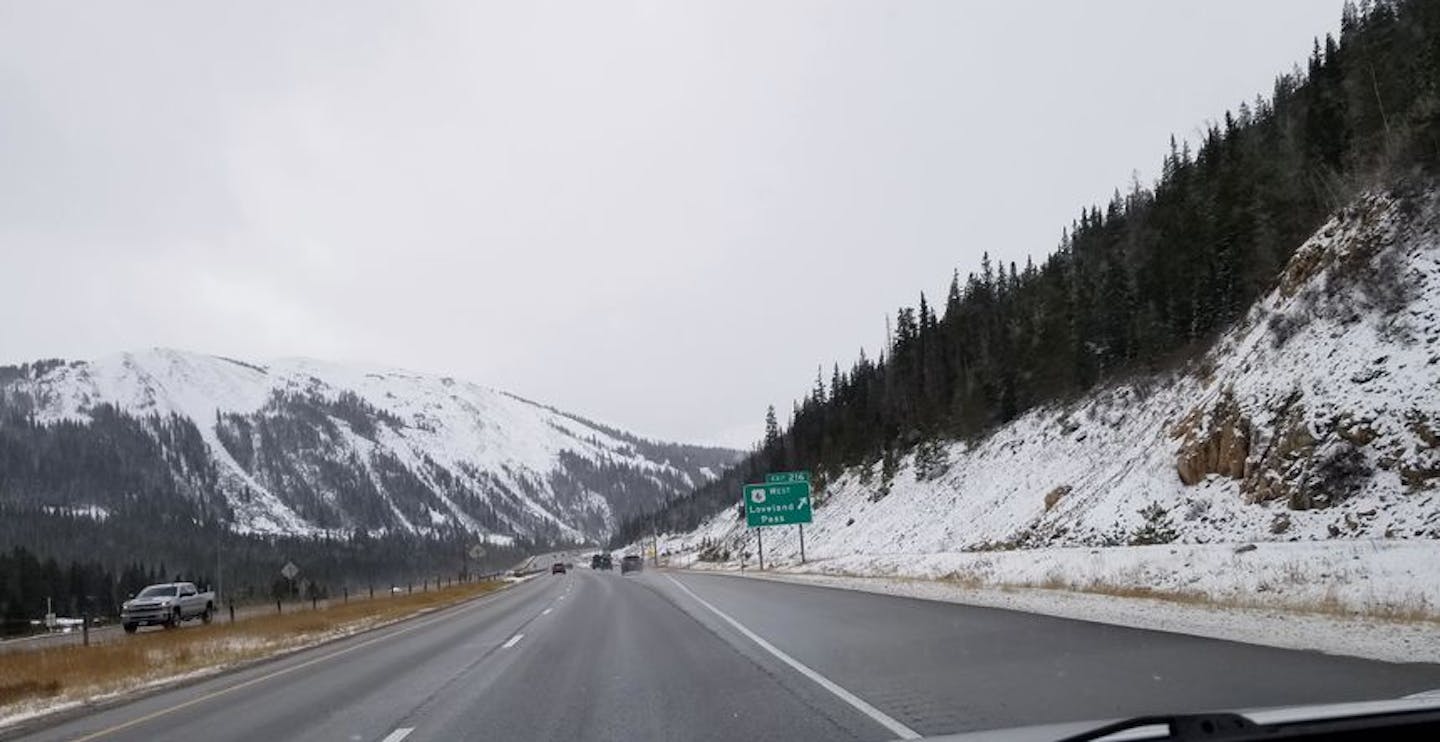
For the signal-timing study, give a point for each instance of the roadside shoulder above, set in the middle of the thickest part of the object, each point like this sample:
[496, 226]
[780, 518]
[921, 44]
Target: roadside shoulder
[1370, 638]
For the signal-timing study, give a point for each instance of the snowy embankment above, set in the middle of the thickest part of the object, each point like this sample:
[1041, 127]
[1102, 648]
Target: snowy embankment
[1250, 619]
[1380, 578]
[1310, 431]
[1375, 599]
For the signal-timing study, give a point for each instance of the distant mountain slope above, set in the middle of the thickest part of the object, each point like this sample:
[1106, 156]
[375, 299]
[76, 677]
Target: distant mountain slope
[1316, 417]
[302, 446]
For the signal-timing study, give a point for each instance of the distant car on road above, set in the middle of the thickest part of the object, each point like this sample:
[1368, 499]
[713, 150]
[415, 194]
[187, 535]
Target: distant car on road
[167, 604]
[601, 561]
[557, 568]
[631, 563]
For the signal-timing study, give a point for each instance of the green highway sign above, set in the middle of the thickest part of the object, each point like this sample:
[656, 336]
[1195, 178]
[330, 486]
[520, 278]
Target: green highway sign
[777, 504]
[787, 476]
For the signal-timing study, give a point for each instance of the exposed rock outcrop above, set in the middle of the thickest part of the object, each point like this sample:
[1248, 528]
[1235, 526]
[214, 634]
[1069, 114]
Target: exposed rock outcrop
[1214, 441]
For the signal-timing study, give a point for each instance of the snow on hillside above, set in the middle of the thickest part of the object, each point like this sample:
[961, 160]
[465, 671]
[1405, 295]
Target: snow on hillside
[490, 442]
[1316, 418]
[452, 421]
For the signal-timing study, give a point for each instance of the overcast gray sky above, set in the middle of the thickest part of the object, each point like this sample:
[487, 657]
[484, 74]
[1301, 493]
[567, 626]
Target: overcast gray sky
[662, 215]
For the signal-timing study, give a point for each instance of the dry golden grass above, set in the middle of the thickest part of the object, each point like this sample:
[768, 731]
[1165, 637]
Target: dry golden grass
[76, 672]
[1411, 611]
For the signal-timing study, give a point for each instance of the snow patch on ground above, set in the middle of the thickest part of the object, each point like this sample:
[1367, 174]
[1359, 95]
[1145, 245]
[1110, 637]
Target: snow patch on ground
[1375, 577]
[93, 512]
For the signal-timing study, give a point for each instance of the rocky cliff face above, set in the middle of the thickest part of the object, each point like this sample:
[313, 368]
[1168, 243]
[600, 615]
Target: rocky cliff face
[1367, 280]
[1317, 416]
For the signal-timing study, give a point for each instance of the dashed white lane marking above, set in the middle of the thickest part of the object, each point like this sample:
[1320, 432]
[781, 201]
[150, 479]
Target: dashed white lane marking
[513, 641]
[546, 612]
[885, 720]
[399, 734]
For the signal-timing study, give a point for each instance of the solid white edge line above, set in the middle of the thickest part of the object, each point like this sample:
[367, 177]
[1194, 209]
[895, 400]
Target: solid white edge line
[398, 734]
[513, 641]
[885, 720]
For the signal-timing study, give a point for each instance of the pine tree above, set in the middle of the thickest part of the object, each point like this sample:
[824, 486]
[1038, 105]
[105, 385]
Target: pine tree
[1158, 271]
[953, 298]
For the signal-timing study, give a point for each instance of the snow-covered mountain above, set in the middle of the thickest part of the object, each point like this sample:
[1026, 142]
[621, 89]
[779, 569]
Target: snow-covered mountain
[301, 446]
[1316, 417]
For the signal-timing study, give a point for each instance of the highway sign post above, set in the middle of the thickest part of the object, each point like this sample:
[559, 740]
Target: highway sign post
[784, 477]
[783, 500]
[288, 572]
[476, 552]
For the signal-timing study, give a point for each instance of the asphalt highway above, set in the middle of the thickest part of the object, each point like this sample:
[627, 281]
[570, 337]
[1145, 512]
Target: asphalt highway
[677, 655]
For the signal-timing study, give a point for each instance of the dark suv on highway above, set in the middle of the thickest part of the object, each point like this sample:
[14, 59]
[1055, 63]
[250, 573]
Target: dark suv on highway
[631, 563]
[601, 561]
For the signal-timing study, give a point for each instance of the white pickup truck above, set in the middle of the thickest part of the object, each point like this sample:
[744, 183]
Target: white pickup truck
[167, 604]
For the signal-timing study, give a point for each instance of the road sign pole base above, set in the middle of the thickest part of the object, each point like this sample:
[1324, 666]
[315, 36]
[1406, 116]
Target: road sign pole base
[760, 548]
